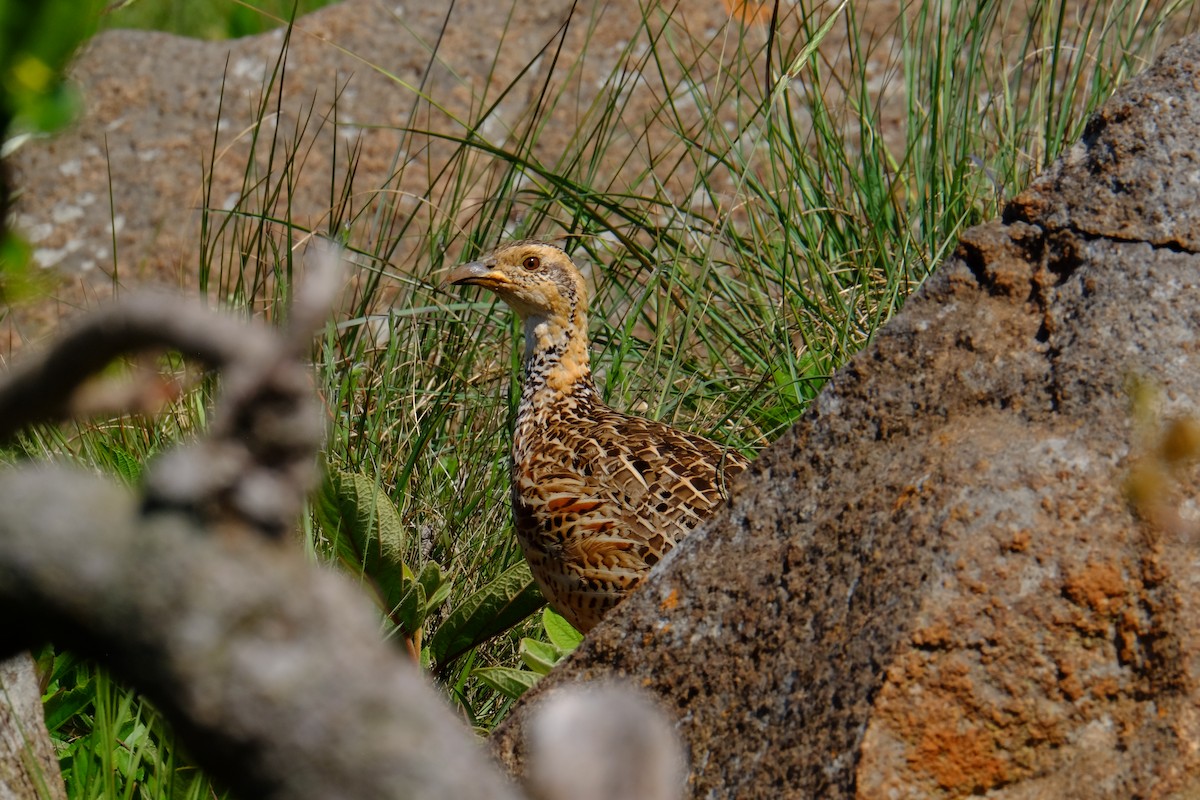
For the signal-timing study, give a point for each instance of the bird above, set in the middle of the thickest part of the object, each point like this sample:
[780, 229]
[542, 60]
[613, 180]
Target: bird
[598, 496]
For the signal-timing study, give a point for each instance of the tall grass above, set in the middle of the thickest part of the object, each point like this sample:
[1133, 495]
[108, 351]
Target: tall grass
[794, 196]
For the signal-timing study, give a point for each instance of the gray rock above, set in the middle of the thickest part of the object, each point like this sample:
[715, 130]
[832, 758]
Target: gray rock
[28, 763]
[971, 569]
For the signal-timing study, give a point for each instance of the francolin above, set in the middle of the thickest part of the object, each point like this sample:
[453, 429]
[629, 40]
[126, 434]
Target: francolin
[598, 496]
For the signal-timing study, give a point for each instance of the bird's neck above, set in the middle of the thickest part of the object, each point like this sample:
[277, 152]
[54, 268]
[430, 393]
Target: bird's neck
[556, 357]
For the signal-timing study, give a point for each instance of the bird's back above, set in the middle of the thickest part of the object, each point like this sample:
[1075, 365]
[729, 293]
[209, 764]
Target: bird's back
[599, 497]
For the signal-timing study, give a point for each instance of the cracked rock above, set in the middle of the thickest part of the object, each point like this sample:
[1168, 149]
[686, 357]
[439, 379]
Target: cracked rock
[971, 568]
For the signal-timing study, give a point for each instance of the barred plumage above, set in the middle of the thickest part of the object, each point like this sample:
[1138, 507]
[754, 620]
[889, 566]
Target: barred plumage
[598, 496]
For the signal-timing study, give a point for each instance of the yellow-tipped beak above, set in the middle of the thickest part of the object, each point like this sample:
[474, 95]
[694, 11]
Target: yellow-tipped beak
[477, 273]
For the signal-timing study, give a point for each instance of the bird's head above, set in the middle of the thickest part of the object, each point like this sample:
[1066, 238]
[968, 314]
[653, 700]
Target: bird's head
[538, 281]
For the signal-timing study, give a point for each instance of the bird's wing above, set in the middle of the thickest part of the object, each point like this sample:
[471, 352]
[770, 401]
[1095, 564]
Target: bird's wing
[635, 487]
[601, 500]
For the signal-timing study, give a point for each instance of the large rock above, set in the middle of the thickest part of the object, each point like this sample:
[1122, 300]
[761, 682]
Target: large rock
[972, 568]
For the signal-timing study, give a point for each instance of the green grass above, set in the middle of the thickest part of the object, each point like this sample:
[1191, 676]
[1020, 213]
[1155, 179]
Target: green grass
[806, 226]
[111, 743]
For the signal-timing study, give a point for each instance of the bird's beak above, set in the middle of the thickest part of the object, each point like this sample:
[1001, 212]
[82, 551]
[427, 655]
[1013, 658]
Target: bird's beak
[477, 273]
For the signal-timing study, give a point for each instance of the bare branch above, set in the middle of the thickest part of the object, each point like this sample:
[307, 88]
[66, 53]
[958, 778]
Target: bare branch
[271, 668]
[312, 301]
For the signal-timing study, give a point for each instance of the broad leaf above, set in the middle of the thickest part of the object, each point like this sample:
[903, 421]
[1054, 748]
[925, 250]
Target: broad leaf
[366, 531]
[539, 656]
[560, 632]
[495, 608]
[64, 705]
[510, 682]
[121, 461]
[410, 611]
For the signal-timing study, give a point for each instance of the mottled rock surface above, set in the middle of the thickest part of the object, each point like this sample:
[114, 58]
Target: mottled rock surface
[972, 568]
[28, 763]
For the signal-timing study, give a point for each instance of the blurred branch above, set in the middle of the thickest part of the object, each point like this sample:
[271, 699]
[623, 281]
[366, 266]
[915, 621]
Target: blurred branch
[272, 669]
[258, 461]
[41, 389]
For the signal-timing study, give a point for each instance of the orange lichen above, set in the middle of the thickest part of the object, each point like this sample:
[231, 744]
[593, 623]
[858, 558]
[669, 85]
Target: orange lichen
[960, 760]
[905, 497]
[1020, 541]
[1069, 683]
[1099, 586]
[935, 635]
[749, 12]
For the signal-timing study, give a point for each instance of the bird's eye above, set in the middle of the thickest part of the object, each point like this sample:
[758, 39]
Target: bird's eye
[532, 263]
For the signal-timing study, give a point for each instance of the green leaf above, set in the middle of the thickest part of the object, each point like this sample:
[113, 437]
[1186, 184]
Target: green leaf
[366, 532]
[433, 582]
[36, 43]
[65, 704]
[410, 612]
[510, 682]
[560, 632]
[509, 598]
[539, 656]
[17, 277]
[120, 461]
[437, 587]
[438, 597]
[133, 747]
[61, 665]
[421, 597]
